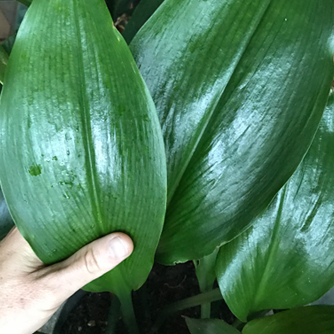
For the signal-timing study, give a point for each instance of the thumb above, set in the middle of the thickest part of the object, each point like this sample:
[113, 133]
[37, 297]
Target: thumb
[89, 263]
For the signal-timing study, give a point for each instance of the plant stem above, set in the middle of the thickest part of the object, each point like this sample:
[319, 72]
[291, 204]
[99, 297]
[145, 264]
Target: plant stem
[204, 286]
[114, 314]
[205, 311]
[206, 297]
[237, 323]
[128, 313]
[206, 276]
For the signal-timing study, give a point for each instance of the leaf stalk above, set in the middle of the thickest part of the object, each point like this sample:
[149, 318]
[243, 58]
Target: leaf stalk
[202, 298]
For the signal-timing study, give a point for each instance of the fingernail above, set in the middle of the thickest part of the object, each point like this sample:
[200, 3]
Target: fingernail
[118, 248]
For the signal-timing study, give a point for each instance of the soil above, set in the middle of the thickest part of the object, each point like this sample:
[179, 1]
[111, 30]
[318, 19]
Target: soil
[164, 286]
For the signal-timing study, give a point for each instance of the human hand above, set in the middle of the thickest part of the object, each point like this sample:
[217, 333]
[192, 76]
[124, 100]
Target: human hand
[31, 292]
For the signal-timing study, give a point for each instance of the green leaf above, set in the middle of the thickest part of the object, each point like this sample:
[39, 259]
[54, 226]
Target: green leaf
[205, 271]
[209, 326]
[306, 320]
[206, 276]
[286, 259]
[200, 299]
[6, 222]
[81, 148]
[3, 63]
[237, 108]
[142, 13]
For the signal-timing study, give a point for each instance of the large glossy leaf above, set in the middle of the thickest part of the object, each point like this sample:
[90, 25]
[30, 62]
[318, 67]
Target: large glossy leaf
[306, 320]
[81, 148]
[209, 326]
[286, 259]
[238, 108]
[3, 63]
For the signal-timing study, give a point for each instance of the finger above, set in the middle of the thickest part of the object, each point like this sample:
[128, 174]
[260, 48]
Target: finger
[89, 263]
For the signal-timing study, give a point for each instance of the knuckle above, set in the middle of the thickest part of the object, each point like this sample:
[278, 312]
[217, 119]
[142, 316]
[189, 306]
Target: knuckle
[91, 263]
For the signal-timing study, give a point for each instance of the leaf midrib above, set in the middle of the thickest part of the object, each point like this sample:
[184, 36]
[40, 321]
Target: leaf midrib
[86, 122]
[270, 258]
[200, 137]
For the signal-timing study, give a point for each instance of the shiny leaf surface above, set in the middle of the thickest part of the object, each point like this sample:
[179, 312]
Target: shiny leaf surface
[306, 320]
[209, 326]
[286, 259]
[81, 148]
[237, 108]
